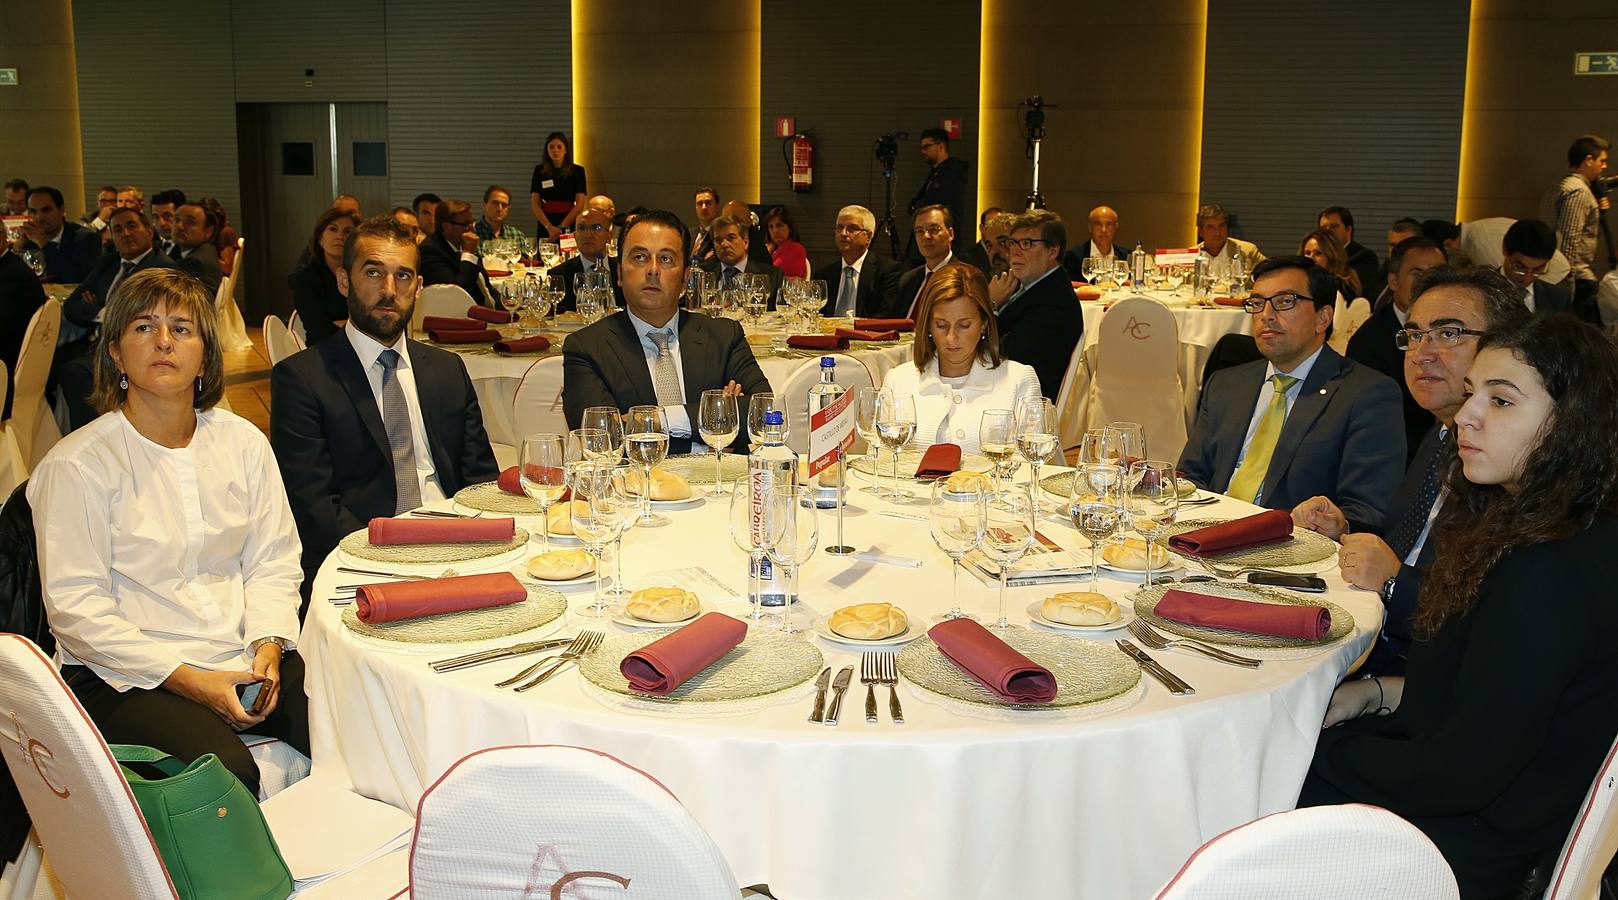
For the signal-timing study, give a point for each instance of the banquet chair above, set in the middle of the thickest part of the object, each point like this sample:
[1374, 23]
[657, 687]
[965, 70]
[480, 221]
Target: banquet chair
[1230, 350]
[1591, 845]
[32, 422]
[536, 405]
[440, 300]
[1346, 319]
[1073, 397]
[300, 334]
[1347, 852]
[228, 317]
[850, 373]
[86, 818]
[1137, 374]
[559, 815]
[278, 340]
[13, 471]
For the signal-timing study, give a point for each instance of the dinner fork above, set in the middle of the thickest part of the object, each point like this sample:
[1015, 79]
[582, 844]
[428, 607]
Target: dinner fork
[578, 641]
[1149, 636]
[592, 640]
[888, 675]
[868, 678]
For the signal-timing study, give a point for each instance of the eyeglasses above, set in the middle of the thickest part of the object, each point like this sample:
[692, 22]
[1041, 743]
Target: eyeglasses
[851, 229]
[1024, 243]
[1280, 302]
[595, 229]
[1536, 271]
[1443, 336]
[928, 145]
[929, 230]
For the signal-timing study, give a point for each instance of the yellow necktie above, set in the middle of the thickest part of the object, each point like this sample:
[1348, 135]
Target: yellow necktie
[1244, 485]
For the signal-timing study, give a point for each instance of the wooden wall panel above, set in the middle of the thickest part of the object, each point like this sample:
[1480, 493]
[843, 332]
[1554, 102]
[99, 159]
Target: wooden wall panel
[40, 137]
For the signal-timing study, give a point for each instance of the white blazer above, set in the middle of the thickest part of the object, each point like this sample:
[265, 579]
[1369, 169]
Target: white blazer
[949, 415]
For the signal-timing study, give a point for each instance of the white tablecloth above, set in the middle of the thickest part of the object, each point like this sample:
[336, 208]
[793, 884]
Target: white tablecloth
[1200, 328]
[947, 805]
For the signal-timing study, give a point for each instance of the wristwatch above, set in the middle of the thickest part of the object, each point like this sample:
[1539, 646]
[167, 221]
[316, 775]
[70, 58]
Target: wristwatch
[276, 640]
[1387, 589]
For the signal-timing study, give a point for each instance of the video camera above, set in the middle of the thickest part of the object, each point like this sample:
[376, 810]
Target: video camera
[887, 148]
[1601, 185]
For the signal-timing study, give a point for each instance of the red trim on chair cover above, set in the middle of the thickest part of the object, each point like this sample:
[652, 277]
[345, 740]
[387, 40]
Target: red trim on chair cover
[1584, 816]
[1222, 835]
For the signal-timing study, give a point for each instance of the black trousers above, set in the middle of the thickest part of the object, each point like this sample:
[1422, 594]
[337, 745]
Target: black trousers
[171, 723]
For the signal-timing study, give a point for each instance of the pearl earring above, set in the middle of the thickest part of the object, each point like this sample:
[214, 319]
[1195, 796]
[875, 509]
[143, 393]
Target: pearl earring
[199, 384]
[123, 381]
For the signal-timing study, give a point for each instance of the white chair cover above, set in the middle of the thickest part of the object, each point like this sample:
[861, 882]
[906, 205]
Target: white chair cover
[1349, 852]
[529, 821]
[850, 373]
[300, 335]
[440, 300]
[228, 324]
[1592, 842]
[12, 468]
[280, 765]
[537, 404]
[278, 340]
[1137, 375]
[1607, 297]
[32, 420]
[1347, 318]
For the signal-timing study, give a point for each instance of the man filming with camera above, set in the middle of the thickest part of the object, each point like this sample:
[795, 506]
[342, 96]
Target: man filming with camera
[945, 186]
[1574, 208]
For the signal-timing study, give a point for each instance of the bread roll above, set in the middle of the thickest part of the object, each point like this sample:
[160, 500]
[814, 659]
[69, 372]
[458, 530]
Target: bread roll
[561, 565]
[665, 485]
[1080, 608]
[968, 481]
[559, 518]
[662, 604]
[1131, 554]
[869, 621]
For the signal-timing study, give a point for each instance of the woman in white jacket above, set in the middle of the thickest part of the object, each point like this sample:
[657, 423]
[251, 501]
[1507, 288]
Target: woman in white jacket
[958, 372]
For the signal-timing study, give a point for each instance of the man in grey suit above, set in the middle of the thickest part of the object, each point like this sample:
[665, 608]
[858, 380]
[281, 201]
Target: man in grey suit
[654, 353]
[1303, 421]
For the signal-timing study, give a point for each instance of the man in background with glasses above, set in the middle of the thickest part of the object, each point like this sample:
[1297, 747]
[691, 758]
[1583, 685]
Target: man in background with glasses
[450, 254]
[859, 283]
[1373, 344]
[1527, 249]
[1303, 421]
[591, 231]
[1449, 310]
[1040, 322]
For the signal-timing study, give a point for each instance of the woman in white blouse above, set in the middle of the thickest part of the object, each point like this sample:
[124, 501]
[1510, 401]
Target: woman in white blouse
[168, 555]
[958, 372]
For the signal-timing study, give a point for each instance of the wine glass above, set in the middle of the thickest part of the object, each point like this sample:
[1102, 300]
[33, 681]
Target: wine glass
[599, 512]
[589, 445]
[1036, 440]
[757, 406]
[752, 534]
[815, 297]
[1152, 502]
[36, 262]
[1095, 512]
[956, 519]
[997, 439]
[1123, 443]
[895, 426]
[1008, 532]
[646, 443]
[541, 474]
[620, 470]
[865, 402]
[1091, 268]
[511, 296]
[610, 421]
[550, 254]
[794, 524]
[718, 422]
[758, 296]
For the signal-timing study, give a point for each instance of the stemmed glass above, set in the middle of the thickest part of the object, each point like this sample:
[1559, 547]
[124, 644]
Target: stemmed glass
[1007, 534]
[600, 511]
[1036, 440]
[758, 297]
[1091, 268]
[956, 519]
[758, 405]
[511, 296]
[1090, 450]
[698, 285]
[794, 523]
[718, 422]
[1122, 443]
[550, 254]
[590, 445]
[1152, 502]
[1094, 510]
[895, 426]
[753, 536]
[646, 443]
[541, 474]
[608, 420]
[997, 439]
[815, 298]
[865, 402]
[552, 290]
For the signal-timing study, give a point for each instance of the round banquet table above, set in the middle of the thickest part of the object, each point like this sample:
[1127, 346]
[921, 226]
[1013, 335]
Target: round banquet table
[1200, 328]
[987, 803]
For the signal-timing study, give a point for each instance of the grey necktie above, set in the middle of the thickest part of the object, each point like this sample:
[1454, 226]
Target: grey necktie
[396, 419]
[665, 380]
[845, 294]
[730, 276]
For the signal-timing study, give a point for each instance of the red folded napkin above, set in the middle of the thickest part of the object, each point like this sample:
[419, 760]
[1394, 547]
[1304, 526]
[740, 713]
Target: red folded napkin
[856, 334]
[818, 342]
[485, 314]
[668, 662]
[452, 323]
[512, 484]
[408, 599]
[441, 531]
[1086, 291]
[1268, 527]
[885, 324]
[1278, 619]
[461, 336]
[523, 345]
[940, 461]
[1001, 669]
[1228, 301]
[496, 273]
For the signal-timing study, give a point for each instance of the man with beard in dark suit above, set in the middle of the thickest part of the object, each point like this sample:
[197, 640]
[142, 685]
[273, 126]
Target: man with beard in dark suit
[195, 249]
[1040, 322]
[69, 248]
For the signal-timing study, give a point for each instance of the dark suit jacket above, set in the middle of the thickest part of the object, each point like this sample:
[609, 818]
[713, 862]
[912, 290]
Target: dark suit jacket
[317, 300]
[1393, 644]
[904, 300]
[90, 296]
[1073, 259]
[604, 365]
[946, 185]
[1373, 346]
[69, 260]
[1342, 439]
[20, 296]
[574, 266]
[1553, 297]
[203, 263]
[442, 264]
[332, 447]
[1365, 265]
[977, 255]
[1041, 328]
[753, 267]
[876, 295]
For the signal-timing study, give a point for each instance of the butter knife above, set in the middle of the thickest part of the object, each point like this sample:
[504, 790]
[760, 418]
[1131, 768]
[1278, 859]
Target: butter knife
[839, 686]
[818, 716]
[1151, 666]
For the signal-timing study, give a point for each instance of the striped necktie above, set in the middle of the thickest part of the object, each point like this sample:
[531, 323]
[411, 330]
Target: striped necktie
[401, 447]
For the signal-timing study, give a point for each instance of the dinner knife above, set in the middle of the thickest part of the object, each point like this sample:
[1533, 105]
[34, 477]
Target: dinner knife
[839, 686]
[1151, 666]
[474, 659]
[818, 716]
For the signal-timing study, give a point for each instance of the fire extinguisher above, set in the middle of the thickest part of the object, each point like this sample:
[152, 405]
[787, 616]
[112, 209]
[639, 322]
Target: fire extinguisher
[799, 152]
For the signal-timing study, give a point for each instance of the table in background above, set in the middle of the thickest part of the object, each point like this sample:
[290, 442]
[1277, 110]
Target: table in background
[948, 805]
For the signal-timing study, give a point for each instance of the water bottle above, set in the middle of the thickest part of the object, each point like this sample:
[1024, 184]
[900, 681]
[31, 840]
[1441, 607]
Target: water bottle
[1137, 266]
[1202, 276]
[771, 469]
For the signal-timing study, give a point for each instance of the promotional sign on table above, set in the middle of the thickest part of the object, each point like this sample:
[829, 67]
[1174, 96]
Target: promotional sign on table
[831, 431]
[1178, 257]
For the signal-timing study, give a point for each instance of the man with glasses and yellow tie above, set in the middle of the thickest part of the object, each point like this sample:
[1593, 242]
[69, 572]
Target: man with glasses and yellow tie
[1303, 421]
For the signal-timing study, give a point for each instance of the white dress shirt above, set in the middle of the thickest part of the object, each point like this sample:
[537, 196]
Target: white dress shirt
[1266, 392]
[678, 420]
[368, 348]
[854, 294]
[1432, 514]
[926, 275]
[949, 413]
[151, 557]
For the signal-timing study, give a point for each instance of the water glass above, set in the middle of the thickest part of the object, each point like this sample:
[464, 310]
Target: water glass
[1007, 534]
[1036, 441]
[718, 422]
[794, 524]
[542, 474]
[599, 512]
[1152, 501]
[997, 439]
[956, 519]
[895, 426]
[646, 443]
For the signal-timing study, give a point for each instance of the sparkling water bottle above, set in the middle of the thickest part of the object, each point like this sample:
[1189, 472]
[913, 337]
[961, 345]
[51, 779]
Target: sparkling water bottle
[770, 471]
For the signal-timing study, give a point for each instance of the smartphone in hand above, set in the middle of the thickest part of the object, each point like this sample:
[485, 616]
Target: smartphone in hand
[1308, 583]
[254, 696]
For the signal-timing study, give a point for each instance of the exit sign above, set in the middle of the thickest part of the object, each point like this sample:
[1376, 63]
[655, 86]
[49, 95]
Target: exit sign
[1596, 63]
[8, 77]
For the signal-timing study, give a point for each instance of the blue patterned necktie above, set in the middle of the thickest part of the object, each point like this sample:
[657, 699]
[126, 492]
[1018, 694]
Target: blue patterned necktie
[1402, 539]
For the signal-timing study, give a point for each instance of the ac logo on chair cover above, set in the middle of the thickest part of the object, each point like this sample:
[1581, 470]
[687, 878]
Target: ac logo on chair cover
[34, 750]
[549, 864]
[1140, 331]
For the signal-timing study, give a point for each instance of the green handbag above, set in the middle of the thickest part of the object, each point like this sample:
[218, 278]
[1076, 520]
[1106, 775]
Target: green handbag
[208, 829]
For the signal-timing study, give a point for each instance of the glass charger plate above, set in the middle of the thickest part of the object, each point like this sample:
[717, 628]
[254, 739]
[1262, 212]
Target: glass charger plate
[488, 497]
[358, 547]
[1061, 484]
[1145, 601]
[1086, 672]
[699, 469]
[1305, 547]
[542, 607]
[908, 461]
[764, 663]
